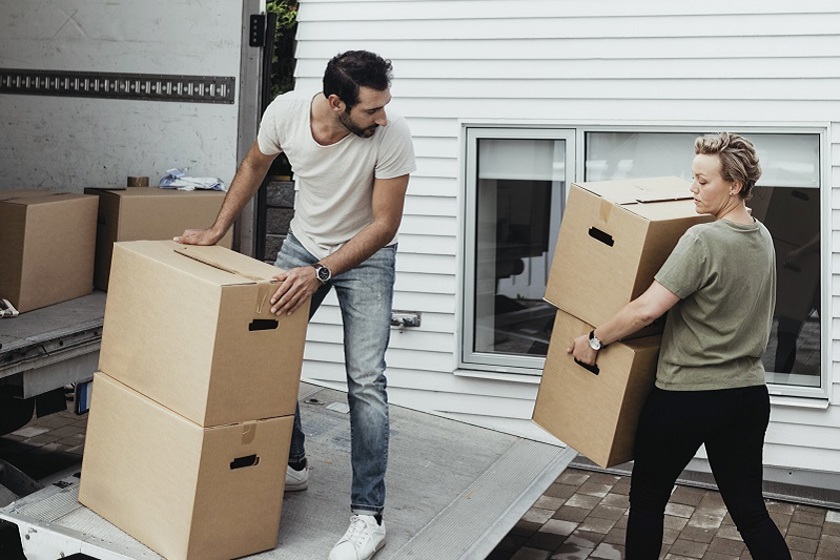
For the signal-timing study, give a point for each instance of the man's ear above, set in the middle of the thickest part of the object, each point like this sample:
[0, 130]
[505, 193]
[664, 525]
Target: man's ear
[336, 104]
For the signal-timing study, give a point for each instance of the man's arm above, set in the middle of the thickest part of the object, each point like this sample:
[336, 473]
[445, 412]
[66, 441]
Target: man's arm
[388, 201]
[245, 184]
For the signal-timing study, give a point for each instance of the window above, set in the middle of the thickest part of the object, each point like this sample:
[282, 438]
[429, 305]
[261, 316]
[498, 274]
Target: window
[786, 200]
[517, 181]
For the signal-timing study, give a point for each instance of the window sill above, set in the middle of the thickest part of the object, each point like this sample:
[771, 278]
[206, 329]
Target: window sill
[821, 403]
[523, 377]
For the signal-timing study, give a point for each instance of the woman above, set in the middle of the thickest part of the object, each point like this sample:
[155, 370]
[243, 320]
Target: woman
[720, 287]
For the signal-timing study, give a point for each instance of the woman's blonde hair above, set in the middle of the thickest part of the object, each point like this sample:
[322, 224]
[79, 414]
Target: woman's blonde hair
[738, 159]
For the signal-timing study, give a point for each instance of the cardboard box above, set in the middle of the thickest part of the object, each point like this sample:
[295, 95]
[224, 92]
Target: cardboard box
[140, 213]
[595, 413]
[47, 245]
[791, 214]
[191, 328]
[614, 237]
[185, 491]
[797, 283]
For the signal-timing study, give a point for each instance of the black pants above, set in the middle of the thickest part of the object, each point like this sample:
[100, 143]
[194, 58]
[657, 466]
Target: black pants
[673, 425]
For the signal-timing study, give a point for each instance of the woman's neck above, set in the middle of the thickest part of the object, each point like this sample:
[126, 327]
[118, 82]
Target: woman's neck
[737, 214]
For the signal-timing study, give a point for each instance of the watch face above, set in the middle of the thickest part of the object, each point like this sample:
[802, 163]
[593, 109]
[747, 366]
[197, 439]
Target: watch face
[323, 273]
[595, 343]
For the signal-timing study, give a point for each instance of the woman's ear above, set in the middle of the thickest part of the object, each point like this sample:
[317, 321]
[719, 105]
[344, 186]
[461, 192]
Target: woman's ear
[735, 188]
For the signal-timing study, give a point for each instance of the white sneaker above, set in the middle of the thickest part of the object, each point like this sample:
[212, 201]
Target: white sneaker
[362, 540]
[297, 481]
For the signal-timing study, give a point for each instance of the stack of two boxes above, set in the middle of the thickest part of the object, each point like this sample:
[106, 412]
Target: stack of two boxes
[192, 409]
[614, 237]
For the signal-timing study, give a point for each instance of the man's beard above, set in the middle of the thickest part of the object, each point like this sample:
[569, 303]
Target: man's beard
[344, 119]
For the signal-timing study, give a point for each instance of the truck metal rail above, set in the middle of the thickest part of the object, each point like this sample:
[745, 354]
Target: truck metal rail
[44, 350]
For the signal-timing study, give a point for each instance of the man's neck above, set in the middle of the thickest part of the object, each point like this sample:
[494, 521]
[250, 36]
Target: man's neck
[324, 126]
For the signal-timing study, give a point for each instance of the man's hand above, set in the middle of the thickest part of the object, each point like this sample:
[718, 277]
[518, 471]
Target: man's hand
[582, 351]
[198, 237]
[296, 286]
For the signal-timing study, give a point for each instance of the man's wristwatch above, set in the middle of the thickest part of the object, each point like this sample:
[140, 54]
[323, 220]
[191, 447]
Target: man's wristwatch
[594, 342]
[322, 273]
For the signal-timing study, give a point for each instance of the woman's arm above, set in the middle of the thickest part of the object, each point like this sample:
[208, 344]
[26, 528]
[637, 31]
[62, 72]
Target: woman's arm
[640, 312]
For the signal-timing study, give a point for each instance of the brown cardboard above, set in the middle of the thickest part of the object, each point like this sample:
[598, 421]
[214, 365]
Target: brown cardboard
[797, 282]
[172, 485]
[47, 243]
[614, 237]
[791, 214]
[140, 213]
[199, 337]
[595, 414]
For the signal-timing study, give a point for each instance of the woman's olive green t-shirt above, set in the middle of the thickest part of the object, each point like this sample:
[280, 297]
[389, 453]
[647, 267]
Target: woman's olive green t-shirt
[725, 276]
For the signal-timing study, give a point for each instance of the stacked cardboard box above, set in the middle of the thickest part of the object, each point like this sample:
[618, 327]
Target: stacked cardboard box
[46, 247]
[614, 237]
[149, 213]
[192, 409]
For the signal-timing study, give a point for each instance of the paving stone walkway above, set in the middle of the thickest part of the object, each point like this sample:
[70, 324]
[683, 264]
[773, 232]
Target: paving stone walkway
[583, 515]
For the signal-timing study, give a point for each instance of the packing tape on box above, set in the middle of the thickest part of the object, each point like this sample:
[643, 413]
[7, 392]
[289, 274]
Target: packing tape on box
[264, 293]
[137, 181]
[249, 432]
[605, 210]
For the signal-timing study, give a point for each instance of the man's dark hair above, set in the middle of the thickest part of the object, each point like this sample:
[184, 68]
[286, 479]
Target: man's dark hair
[349, 71]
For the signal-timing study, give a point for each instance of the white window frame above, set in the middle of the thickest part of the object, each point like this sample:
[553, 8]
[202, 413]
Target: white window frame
[532, 366]
[468, 358]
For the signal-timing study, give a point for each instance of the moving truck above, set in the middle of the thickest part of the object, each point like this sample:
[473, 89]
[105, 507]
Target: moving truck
[92, 93]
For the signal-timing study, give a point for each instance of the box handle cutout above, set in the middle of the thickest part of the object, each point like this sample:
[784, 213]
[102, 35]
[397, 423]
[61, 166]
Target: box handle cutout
[601, 236]
[593, 368]
[800, 195]
[263, 325]
[243, 462]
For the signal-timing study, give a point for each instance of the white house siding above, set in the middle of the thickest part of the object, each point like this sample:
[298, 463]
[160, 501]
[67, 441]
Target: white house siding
[570, 62]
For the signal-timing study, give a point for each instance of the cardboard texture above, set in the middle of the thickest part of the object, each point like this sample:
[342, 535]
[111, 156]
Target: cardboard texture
[192, 329]
[614, 237]
[791, 214]
[149, 213]
[596, 414]
[797, 283]
[187, 492]
[47, 243]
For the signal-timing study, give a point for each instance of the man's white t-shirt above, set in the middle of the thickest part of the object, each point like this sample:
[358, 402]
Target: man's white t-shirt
[335, 182]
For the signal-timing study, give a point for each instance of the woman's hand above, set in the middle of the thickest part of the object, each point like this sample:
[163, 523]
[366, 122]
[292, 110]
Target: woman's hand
[582, 351]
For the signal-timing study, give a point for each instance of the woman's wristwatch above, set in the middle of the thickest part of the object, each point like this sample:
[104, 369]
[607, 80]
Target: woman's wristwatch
[594, 341]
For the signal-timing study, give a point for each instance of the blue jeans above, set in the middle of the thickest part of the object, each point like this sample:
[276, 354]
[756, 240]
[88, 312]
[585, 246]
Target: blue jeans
[673, 424]
[365, 294]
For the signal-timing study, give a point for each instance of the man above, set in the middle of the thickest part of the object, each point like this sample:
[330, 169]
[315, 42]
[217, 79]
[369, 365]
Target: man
[352, 166]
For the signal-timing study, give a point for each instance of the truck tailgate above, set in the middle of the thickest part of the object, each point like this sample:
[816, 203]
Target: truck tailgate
[454, 491]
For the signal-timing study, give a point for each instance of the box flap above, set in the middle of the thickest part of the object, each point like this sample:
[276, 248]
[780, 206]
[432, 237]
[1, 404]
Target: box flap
[105, 189]
[147, 192]
[31, 197]
[232, 268]
[639, 191]
[24, 193]
[221, 258]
